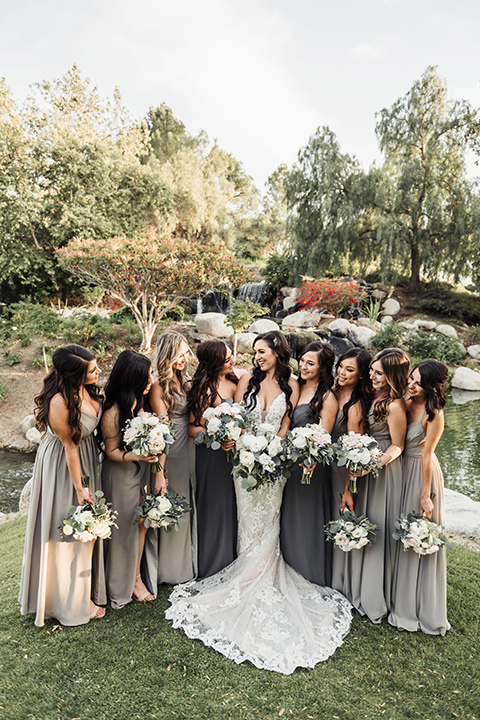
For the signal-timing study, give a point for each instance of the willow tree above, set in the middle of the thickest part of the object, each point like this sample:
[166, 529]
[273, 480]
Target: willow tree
[426, 211]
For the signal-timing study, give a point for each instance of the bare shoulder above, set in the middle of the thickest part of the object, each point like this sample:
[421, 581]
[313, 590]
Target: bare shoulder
[58, 407]
[244, 380]
[397, 408]
[293, 382]
[156, 390]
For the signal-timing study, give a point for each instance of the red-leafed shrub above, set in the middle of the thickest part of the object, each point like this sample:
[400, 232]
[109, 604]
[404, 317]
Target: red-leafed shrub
[329, 296]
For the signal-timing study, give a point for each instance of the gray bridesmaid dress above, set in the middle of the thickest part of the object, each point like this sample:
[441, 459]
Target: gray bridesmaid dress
[369, 571]
[339, 474]
[177, 549]
[122, 485]
[59, 577]
[305, 510]
[419, 590]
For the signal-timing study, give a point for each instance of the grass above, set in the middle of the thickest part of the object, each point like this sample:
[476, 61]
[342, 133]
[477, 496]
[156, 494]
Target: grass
[132, 664]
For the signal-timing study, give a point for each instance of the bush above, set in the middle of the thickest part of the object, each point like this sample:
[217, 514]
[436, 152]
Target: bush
[391, 336]
[278, 270]
[438, 297]
[423, 345]
[329, 296]
[29, 319]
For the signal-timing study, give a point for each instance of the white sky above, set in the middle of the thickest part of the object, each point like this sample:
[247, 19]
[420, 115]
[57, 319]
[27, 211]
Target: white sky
[258, 75]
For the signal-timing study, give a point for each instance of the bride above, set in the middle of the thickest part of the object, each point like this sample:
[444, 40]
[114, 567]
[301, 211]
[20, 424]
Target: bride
[258, 608]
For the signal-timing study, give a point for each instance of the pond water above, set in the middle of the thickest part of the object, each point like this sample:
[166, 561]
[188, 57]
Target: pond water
[458, 452]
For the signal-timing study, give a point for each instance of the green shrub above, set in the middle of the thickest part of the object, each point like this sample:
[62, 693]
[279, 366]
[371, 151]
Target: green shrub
[12, 358]
[391, 336]
[278, 269]
[423, 345]
[438, 297]
[83, 329]
[30, 319]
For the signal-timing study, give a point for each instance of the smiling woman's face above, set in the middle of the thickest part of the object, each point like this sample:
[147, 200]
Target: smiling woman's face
[377, 376]
[264, 356]
[348, 373]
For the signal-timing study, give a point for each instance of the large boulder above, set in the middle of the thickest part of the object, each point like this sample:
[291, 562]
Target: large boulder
[361, 336]
[339, 327]
[213, 324]
[263, 326]
[425, 324]
[33, 436]
[27, 423]
[366, 322]
[245, 342]
[302, 319]
[386, 319]
[466, 379]
[447, 330]
[289, 302]
[391, 307]
[474, 351]
[462, 397]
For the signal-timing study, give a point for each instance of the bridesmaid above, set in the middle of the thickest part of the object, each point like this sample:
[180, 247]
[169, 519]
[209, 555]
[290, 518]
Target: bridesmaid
[353, 391]
[306, 508]
[168, 395]
[126, 478]
[58, 578]
[213, 381]
[419, 594]
[368, 584]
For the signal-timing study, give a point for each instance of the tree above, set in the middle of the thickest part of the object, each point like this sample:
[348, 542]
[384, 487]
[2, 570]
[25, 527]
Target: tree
[150, 276]
[426, 211]
[241, 315]
[324, 218]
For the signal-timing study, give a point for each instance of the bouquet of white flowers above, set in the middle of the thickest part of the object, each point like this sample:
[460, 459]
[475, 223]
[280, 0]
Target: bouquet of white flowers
[146, 434]
[89, 521]
[223, 422]
[163, 511]
[358, 452]
[351, 532]
[419, 533]
[261, 456]
[310, 444]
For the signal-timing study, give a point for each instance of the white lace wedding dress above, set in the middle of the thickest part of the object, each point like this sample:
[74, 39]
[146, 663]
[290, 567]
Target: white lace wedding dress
[258, 608]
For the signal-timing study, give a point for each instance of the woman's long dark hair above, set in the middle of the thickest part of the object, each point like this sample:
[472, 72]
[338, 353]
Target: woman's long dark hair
[277, 343]
[70, 365]
[126, 385]
[433, 379]
[362, 392]
[326, 358]
[203, 392]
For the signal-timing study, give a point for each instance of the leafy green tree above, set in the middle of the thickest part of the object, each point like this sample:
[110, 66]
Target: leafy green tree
[426, 211]
[241, 315]
[150, 275]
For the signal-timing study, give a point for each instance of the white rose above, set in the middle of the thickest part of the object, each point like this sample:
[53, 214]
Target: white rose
[299, 442]
[341, 539]
[247, 458]
[266, 461]
[275, 447]
[362, 542]
[364, 457]
[266, 429]
[129, 435]
[258, 444]
[208, 413]
[153, 420]
[349, 527]
[164, 505]
[234, 432]
[213, 425]
[85, 536]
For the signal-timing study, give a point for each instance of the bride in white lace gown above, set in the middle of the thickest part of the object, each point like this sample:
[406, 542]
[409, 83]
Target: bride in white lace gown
[258, 608]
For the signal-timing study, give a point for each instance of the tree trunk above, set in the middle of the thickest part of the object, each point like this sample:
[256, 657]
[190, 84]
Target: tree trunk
[415, 270]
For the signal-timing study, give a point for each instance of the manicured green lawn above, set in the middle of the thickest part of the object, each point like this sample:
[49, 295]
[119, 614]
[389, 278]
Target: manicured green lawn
[133, 665]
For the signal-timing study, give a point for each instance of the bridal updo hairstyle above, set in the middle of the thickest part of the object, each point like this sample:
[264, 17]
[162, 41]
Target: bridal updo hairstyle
[362, 392]
[396, 369]
[126, 385]
[203, 393]
[326, 360]
[70, 365]
[277, 342]
[434, 380]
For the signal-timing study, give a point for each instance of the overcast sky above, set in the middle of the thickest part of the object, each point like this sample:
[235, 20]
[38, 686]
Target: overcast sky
[258, 75]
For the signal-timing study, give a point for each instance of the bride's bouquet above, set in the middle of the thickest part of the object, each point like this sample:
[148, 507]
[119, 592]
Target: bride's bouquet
[146, 434]
[351, 532]
[420, 534]
[358, 452]
[226, 421]
[310, 444]
[261, 457]
[89, 521]
[163, 511]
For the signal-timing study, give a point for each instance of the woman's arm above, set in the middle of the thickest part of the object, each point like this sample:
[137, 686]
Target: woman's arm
[242, 386]
[354, 424]
[294, 400]
[434, 432]
[397, 427]
[58, 421]
[329, 411]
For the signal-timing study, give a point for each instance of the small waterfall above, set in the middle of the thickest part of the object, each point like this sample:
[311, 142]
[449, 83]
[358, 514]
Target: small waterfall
[256, 292]
[214, 301]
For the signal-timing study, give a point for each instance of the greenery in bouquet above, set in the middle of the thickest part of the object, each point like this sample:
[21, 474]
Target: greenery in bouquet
[89, 521]
[351, 532]
[310, 445]
[163, 511]
[420, 534]
[261, 457]
[224, 422]
[147, 434]
[357, 453]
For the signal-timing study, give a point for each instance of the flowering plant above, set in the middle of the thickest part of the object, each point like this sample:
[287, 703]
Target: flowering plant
[226, 421]
[163, 511]
[358, 452]
[351, 532]
[310, 444]
[89, 521]
[146, 434]
[261, 456]
[419, 533]
[329, 296]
